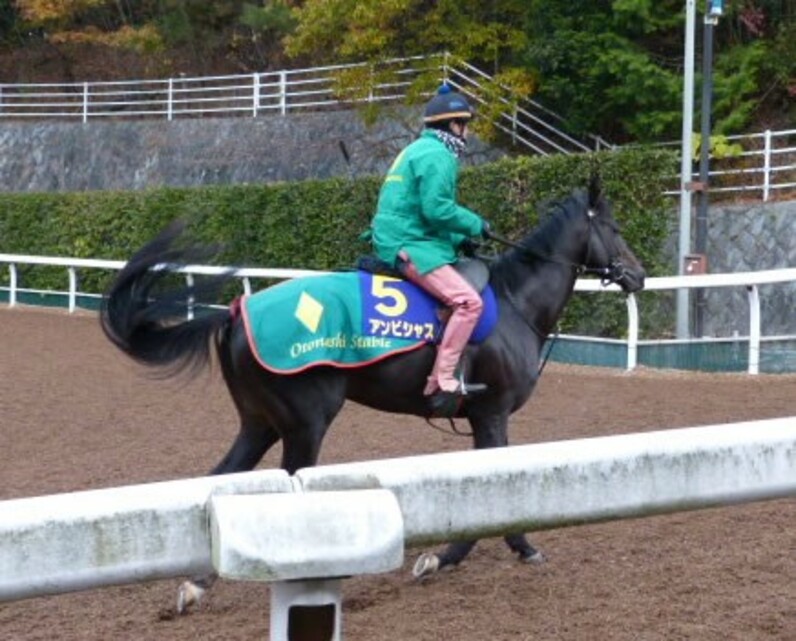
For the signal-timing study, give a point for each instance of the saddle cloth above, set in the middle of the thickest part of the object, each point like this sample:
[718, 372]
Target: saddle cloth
[346, 319]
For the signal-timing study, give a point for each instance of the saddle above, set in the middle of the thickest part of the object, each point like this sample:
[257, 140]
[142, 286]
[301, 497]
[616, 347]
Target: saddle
[474, 271]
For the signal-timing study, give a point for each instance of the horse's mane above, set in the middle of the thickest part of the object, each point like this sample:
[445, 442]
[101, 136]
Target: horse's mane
[540, 241]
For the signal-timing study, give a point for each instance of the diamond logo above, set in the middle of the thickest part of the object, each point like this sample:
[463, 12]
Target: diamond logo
[309, 312]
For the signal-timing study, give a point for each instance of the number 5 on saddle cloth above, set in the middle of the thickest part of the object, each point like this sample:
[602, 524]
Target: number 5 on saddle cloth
[351, 319]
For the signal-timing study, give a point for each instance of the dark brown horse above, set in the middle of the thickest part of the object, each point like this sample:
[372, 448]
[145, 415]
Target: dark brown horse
[532, 283]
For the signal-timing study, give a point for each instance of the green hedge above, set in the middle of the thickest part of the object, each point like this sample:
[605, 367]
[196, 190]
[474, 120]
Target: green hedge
[315, 224]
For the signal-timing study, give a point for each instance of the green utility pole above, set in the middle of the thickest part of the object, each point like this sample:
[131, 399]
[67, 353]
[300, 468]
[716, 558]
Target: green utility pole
[714, 9]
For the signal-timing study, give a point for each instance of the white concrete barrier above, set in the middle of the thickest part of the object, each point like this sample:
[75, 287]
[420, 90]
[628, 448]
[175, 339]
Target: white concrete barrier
[83, 540]
[305, 544]
[90, 539]
[283, 537]
[464, 495]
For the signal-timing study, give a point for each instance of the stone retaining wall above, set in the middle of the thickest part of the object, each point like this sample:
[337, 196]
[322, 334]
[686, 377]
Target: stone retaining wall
[751, 237]
[130, 154]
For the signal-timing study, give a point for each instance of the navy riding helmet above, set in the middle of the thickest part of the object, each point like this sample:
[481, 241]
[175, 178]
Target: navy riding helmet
[447, 105]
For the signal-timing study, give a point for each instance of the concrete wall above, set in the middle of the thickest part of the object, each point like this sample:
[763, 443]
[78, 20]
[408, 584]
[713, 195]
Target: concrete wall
[751, 236]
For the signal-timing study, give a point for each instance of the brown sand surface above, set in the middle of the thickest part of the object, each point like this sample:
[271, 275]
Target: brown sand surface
[75, 415]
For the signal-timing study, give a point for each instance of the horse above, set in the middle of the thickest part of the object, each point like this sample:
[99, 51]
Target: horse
[532, 282]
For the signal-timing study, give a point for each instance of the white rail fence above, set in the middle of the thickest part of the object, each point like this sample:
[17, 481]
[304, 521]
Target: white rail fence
[765, 166]
[254, 94]
[750, 281]
[530, 125]
[349, 519]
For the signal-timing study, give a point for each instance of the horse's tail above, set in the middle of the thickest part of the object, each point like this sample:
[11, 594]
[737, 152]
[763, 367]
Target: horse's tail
[145, 311]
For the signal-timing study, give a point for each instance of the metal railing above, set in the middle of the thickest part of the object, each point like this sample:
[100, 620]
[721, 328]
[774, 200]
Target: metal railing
[530, 125]
[765, 167]
[246, 94]
[750, 281]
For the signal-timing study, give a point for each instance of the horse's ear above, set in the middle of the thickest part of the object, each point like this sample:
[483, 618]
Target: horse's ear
[595, 189]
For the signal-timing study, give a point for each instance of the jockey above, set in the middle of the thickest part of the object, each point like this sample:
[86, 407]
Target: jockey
[419, 227]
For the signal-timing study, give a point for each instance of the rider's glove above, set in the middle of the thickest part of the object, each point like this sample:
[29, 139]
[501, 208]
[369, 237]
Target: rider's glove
[469, 247]
[486, 230]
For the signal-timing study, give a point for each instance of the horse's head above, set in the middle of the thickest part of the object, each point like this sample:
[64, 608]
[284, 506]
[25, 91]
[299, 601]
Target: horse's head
[607, 254]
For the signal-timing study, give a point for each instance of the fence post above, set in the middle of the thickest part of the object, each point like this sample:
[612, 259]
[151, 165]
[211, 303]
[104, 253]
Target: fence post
[754, 329]
[282, 92]
[632, 332]
[255, 93]
[170, 100]
[362, 533]
[85, 102]
[72, 289]
[189, 315]
[767, 166]
[12, 284]
[306, 610]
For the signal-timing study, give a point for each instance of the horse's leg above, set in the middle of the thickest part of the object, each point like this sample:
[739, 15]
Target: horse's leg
[301, 442]
[489, 430]
[254, 439]
[520, 544]
[429, 563]
[251, 444]
[496, 435]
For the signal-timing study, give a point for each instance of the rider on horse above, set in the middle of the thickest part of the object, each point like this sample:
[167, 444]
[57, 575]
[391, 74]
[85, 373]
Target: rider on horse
[419, 228]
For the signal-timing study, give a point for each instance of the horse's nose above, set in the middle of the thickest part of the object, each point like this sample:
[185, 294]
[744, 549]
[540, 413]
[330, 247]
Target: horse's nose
[642, 276]
[634, 279]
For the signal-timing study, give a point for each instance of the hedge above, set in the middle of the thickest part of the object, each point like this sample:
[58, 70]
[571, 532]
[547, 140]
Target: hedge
[315, 224]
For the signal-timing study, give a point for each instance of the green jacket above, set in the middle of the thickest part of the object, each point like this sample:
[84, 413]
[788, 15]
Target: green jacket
[417, 209]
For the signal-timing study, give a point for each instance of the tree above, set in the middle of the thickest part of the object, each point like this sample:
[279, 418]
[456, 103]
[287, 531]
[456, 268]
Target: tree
[489, 34]
[614, 67]
[596, 65]
[609, 67]
[92, 22]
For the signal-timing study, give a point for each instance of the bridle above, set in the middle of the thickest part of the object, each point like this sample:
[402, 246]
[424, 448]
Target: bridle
[614, 272]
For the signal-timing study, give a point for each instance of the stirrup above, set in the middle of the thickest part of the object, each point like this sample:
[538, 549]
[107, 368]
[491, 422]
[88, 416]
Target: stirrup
[444, 404]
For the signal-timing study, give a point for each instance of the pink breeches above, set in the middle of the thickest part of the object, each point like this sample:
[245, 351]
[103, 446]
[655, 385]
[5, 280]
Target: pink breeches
[448, 286]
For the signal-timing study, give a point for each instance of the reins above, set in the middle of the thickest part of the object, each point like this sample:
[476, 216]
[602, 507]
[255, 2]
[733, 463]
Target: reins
[453, 429]
[611, 274]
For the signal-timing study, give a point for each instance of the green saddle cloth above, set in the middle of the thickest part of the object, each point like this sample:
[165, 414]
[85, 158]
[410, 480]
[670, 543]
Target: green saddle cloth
[347, 319]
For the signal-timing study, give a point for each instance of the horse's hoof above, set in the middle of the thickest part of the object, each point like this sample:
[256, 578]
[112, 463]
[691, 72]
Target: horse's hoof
[537, 558]
[426, 565]
[188, 595]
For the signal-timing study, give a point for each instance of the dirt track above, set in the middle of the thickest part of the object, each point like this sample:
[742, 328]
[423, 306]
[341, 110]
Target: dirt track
[76, 415]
